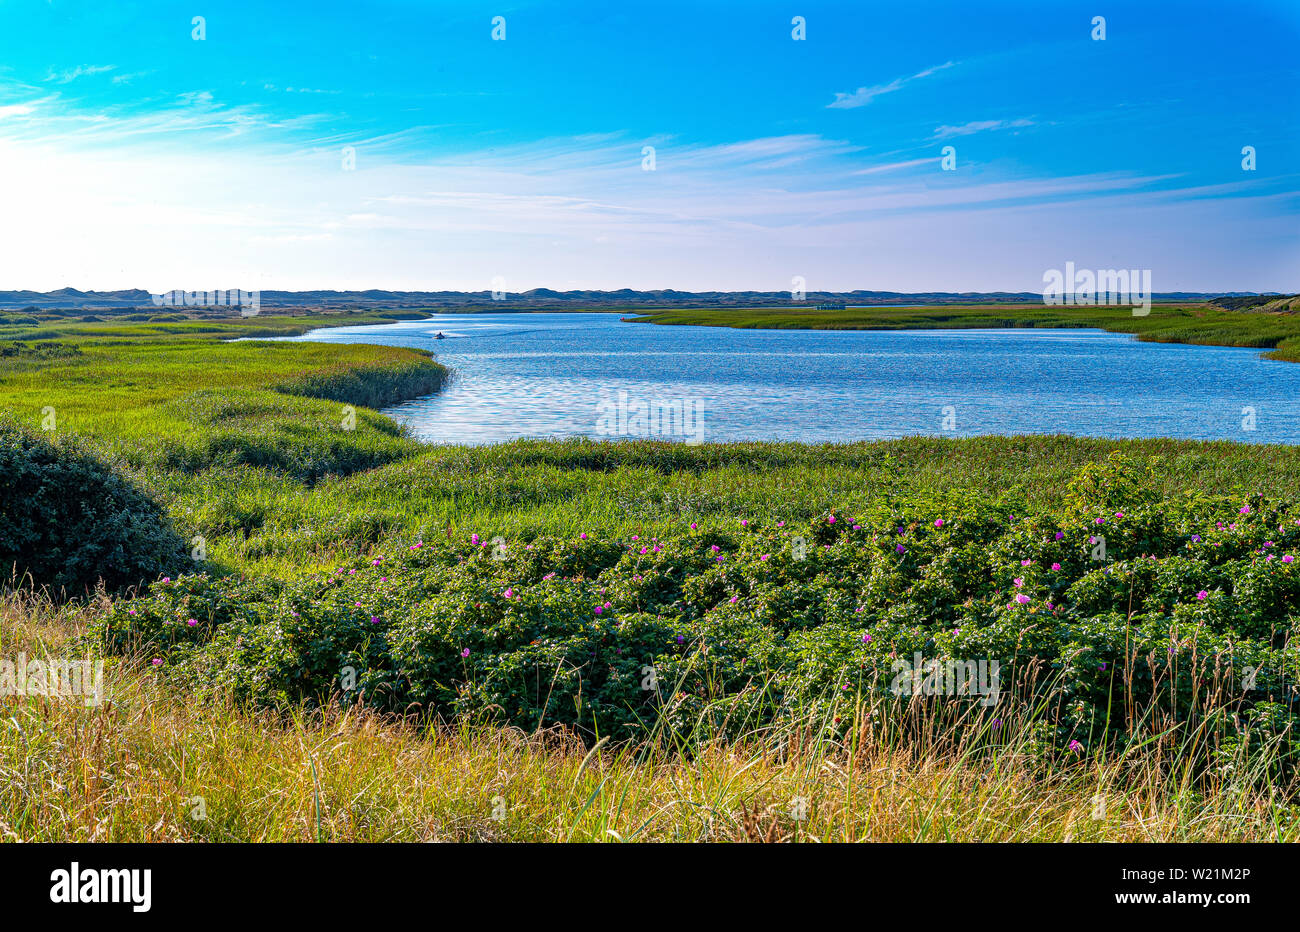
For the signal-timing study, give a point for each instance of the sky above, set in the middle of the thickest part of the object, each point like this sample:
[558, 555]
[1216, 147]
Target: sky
[697, 146]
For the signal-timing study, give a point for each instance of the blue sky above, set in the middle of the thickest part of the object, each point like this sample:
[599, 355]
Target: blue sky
[133, 155]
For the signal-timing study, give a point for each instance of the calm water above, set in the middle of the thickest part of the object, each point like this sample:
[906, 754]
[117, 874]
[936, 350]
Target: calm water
[561, 375]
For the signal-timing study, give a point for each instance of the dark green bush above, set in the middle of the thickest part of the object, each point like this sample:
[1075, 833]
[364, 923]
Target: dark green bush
[68, 520]
[46, 350]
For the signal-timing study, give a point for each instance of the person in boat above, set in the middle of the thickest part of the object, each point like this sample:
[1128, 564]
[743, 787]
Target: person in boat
[440, 336]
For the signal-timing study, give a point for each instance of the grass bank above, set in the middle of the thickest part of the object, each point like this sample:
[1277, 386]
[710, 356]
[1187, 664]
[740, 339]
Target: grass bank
[20, 326]
[180, 401]
[266, 521]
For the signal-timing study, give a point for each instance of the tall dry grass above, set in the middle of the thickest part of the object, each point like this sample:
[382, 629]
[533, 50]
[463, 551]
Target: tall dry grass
[151, 764]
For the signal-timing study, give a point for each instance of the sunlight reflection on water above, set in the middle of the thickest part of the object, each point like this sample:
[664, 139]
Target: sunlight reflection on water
[557, 375]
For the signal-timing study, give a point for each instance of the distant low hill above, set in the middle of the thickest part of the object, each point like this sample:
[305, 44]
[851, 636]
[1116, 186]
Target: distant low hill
[544, 299]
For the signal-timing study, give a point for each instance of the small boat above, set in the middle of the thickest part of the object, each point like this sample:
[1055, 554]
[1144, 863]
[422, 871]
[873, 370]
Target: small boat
[440, 336]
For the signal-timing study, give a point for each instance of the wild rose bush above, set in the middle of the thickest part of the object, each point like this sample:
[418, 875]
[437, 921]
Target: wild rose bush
[1166, 609]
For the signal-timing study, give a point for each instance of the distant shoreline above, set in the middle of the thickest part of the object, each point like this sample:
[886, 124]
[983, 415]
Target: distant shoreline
[137, 300]
[1276, 332]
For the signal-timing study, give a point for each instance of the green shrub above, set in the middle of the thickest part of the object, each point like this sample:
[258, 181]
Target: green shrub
[49, 350]
[1190, 608]
[68, 520]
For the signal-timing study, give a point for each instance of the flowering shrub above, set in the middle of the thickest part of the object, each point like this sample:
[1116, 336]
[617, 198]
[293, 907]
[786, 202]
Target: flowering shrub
[1188, 609]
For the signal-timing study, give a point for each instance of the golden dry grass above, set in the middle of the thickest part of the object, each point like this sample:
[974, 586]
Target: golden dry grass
[154, 765]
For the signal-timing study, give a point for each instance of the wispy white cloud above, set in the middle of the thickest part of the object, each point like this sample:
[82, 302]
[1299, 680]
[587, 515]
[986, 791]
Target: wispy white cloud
[865, 95]
[171, 120]
[67, 77]
[980, 126]
[159, 205]
[896, 166]
[268, 86]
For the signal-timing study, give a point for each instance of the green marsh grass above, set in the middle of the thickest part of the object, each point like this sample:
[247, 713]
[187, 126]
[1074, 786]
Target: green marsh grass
[244, 443]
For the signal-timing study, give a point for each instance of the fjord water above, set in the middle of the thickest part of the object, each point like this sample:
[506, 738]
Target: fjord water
[547, 375]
